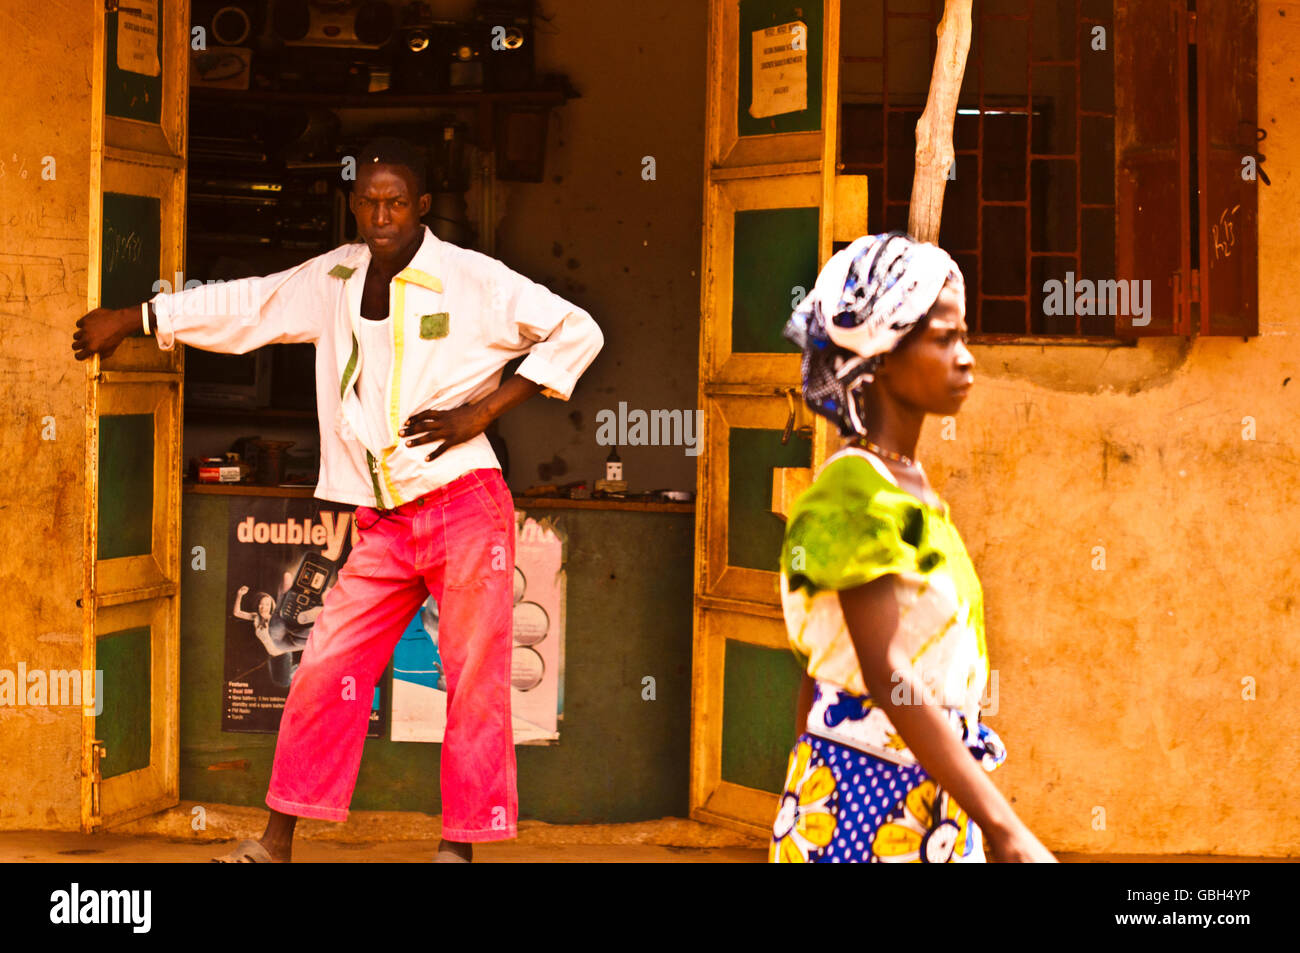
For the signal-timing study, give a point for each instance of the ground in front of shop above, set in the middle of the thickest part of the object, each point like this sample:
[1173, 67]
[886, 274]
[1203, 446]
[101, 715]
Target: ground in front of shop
[194, 833]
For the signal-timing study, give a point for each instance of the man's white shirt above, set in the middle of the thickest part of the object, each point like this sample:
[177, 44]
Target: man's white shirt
[456, 318]
[376, 339]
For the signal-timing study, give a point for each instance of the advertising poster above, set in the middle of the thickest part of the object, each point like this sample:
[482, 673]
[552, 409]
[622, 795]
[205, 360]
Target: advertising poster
[537, 670]
[284, 556]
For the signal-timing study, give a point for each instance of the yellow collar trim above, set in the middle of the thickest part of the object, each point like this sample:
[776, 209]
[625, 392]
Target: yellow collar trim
[417, 277]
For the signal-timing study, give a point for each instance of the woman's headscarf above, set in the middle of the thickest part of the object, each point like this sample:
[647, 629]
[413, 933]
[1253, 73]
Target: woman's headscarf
[866, 299]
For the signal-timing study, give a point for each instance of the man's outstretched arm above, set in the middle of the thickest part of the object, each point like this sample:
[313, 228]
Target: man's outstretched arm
[230, 317]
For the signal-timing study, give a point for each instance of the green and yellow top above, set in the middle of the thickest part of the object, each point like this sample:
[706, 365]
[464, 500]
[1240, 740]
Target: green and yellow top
[855, 524]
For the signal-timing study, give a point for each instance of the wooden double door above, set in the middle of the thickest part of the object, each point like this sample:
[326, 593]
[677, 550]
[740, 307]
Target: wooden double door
[775, 208]
[139, 64]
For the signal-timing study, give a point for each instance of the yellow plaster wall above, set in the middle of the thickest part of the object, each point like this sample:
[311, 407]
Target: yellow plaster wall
[43, 249]
[1121, 691]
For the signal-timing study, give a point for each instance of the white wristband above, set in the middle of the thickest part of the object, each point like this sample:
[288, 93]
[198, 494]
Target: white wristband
[145, 308]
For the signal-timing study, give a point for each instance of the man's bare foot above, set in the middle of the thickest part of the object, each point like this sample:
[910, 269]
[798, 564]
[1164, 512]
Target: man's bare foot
[278, 837]
[280, 853]
[451, 852]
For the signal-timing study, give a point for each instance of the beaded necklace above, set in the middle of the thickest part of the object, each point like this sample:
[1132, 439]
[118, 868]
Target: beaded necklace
[866, 444]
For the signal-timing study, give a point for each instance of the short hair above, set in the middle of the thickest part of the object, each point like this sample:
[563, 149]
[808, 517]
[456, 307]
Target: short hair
[390, 150]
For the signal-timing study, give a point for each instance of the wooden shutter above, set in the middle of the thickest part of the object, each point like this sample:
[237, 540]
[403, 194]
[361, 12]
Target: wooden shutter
[131, 561]
[773, 205]
[1153, 168]
[1226, 44]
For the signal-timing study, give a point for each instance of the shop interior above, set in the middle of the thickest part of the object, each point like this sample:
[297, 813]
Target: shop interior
[280, 97]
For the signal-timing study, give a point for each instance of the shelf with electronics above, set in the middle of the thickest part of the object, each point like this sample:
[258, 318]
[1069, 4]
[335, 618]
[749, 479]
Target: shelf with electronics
[282, 94]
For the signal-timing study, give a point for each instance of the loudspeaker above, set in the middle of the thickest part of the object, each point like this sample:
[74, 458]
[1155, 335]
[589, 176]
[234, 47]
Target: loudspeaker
[507, 27]
[436, 56]
[463, 49]
[339, 24]
[226, 31]
[418, 64]
[229, 22]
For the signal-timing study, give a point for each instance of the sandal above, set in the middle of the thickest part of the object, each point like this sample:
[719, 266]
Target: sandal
[248, 852]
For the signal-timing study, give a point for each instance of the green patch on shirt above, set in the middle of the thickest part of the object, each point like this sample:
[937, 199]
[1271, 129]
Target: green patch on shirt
[341, 271]
[434, 325]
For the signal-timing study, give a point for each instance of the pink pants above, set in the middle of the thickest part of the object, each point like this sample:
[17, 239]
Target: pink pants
[458, 544]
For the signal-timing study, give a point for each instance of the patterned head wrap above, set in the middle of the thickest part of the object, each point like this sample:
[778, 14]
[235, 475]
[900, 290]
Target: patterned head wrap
[866, 299]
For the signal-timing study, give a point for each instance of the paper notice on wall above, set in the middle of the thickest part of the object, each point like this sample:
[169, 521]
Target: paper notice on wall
[536, 658]
[137, 38]
[780, 70]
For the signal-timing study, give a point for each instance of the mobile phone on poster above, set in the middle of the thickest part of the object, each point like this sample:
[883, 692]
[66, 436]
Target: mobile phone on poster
[308, 588]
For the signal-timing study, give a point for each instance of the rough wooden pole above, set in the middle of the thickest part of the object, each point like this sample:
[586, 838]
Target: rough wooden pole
[934, 152]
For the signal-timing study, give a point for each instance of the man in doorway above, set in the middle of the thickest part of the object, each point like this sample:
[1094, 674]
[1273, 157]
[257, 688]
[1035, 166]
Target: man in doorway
[411, 335]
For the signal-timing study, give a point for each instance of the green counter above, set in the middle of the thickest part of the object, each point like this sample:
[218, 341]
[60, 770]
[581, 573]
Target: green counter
[619, 758]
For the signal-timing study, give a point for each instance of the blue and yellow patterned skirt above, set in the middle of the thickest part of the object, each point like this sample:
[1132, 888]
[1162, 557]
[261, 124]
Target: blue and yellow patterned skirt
[855, 794]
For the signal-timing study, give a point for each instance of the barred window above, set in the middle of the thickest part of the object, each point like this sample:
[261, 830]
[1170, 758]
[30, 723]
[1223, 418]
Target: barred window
[1059, 234]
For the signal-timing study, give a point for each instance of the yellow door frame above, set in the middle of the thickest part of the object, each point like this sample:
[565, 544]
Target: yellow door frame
[140, 590]
[750, 390]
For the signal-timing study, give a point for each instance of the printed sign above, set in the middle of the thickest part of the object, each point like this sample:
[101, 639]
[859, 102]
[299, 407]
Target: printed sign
[780, 74]
[137, 38]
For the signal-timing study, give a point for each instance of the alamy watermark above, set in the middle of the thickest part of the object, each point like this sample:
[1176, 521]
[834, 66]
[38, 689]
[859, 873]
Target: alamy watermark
[52, 688]
[1106, 297]
[656, 428]
[131, 908]
[923, 686]
[238, 298]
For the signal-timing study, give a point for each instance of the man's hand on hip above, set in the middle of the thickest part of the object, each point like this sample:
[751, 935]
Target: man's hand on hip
[450, 426]
[464, 423]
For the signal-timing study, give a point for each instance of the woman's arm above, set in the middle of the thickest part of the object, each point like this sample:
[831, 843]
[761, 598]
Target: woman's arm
[239, 597]
[804, 704]
[871, 611]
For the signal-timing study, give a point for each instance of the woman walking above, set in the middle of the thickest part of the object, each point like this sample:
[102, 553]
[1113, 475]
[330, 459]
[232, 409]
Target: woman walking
[881, 600]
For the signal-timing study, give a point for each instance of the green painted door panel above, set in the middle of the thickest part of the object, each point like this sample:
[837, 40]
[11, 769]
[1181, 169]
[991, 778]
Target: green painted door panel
[775, 253]
[132, 249]
[125, 725]
[754, 532]
[125, 485]
[759, 692]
